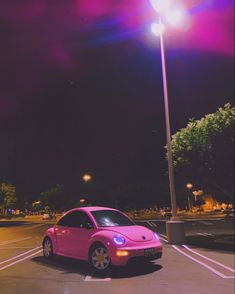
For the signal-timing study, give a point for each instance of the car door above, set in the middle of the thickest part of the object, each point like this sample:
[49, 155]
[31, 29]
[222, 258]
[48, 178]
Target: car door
[81, 233]
[64, 234]
[73, 232]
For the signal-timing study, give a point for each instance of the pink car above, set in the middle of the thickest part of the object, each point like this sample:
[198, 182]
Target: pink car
[103, 236]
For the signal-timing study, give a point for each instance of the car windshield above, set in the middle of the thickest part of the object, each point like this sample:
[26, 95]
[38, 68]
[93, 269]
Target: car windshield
[111, 218]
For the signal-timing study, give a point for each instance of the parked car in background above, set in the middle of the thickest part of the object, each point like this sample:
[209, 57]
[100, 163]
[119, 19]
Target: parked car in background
[48, 216]
[102, 236]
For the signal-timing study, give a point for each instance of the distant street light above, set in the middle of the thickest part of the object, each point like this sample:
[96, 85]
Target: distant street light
[82, 200]
[86, 177]
[189, 185]
[175, 229]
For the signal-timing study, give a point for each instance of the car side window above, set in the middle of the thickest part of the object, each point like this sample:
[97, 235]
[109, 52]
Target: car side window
[85, 220]
[65, 220]
[76, 219]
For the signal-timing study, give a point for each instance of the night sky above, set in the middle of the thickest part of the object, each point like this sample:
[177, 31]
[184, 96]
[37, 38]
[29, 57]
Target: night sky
[81, 88]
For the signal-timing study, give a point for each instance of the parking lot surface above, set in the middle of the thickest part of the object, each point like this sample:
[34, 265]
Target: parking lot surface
[202, 265]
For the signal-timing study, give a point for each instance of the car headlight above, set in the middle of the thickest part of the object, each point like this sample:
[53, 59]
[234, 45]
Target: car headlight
[119, 240]
[156, 236]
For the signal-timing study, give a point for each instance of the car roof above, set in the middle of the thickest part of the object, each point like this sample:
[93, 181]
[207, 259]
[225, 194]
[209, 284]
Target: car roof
[91, 208]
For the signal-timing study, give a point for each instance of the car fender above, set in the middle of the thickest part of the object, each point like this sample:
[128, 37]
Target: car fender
[104, 237]
[51, 234]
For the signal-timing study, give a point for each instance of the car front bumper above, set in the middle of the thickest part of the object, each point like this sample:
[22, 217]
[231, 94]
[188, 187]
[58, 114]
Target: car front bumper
[137, 252]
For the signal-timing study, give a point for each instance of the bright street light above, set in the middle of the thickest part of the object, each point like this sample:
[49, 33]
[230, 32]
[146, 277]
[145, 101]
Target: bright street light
[175, 228]
[161, 6]
[189, 185]
[86, 178]
[174, 17]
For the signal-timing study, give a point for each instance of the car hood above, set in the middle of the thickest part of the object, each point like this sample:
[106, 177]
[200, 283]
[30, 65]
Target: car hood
[133, 233]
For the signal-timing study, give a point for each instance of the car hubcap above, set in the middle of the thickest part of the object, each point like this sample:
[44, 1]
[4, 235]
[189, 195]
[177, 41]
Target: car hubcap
[100, 258]
[47, 248]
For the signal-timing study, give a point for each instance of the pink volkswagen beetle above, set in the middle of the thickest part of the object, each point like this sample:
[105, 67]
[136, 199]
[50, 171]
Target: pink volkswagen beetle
[103, 236]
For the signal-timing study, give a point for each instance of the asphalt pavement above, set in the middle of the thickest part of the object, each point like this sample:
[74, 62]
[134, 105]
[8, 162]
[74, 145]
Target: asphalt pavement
[204, 264]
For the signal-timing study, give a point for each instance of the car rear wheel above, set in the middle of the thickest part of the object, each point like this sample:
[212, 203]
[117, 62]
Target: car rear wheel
[99, 259]
[47, 248]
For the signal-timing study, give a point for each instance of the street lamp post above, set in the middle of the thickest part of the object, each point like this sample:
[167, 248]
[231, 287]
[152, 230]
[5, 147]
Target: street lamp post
[174, 227]
[168, 130]
[189, 187]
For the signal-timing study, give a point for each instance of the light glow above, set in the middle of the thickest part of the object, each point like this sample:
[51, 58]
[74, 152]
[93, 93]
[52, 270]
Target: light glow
[157, 28]
[161, 5]
[122, 253]
[189, 185]
[119, 240]
[86, 178]
[174, 17]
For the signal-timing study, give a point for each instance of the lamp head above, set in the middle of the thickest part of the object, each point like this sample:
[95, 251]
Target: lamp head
[160, 6]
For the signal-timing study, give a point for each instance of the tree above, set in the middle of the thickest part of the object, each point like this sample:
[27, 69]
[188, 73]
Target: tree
[203, 153]
[7, 196]
[54, 198]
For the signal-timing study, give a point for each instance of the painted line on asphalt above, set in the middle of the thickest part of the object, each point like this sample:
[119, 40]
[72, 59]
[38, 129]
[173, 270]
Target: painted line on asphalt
[20, 260]
[209, 259]
[152, 224]
[199, 262]
[163, 237]
[204, 234]
[19, 255]
[149, 223]
[16, 247]
[203, 264]
[14, 241]
[91, 279]
[205, 223]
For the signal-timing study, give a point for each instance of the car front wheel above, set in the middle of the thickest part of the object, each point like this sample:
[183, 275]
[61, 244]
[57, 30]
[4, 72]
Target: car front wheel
[47, 248]
[99, 259]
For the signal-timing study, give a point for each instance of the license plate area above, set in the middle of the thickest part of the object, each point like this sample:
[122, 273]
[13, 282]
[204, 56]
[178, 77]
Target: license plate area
[149, 252]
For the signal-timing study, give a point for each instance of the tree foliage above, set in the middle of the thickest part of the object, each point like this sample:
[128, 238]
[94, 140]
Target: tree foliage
[7, 196]
[203, 152]
[54, 198]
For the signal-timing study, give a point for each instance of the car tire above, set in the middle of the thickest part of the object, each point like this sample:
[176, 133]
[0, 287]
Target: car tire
[47, 248]
[99, 259]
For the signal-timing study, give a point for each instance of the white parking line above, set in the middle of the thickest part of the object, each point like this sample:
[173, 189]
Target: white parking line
[16, 247]
[91, 279]
[163, 237]
[199, 262]
[203, 264]
[152, 224]
[14, 257]
[206, 223]
[207, 258]
[14, 241]
[19, 260]
[204, 234]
